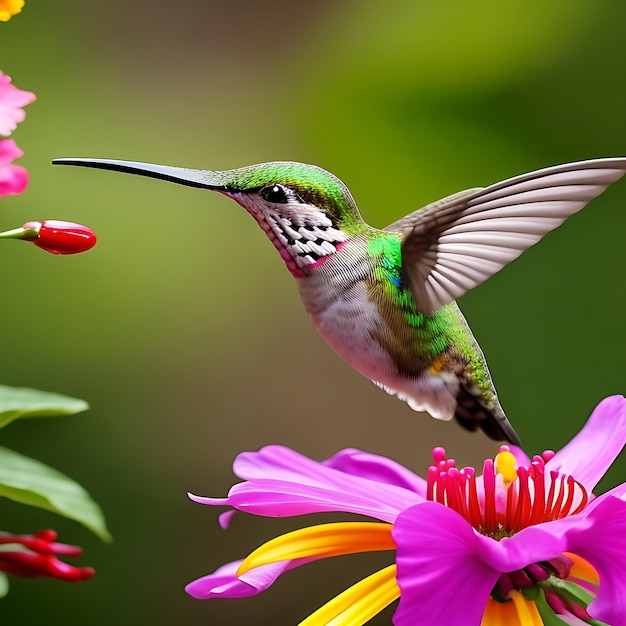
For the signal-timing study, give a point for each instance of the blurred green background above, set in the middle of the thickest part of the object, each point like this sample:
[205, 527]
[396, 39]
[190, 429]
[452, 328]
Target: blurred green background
[183, 329]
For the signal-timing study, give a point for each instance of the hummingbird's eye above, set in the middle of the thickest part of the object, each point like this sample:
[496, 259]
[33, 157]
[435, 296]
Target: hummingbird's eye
[276, 194]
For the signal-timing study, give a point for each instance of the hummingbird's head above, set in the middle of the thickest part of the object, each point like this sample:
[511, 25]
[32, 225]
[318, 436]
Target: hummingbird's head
[307, 212]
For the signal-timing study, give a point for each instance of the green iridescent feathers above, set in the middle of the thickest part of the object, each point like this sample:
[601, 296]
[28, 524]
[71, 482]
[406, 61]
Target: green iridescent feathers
[419, 341]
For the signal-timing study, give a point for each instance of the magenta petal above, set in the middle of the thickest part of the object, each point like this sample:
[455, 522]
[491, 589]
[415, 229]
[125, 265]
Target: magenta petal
[13, 180]
[592, 451]
[207, 500]
[618, 492]
[442, 576]
[273, 498]
[378, 468]
[521, 458]
[282, 483]
[223, 583]
[597, 535]
[278, 462]
[225, 518]
[531, 545]
[12, 100]
[601, 542]
[9, 151]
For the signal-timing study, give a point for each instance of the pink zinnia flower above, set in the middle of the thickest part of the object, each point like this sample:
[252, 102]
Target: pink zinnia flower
[519, 545]
[12, 101]
[32, 556]
[13, 178]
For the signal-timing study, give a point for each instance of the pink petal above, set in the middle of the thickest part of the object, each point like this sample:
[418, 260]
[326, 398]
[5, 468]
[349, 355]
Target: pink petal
[12, 100]
[272, 498]
[521, 457]
[378, 468]
[225, 518]
[601, 542]
[224, 583]
[618, 492]
[208, 500]
[282, 483]
[531, 545]
[9, 151]
[440, 556]
[441, 573]
[13, 178]
[592, 451]
[597, 535]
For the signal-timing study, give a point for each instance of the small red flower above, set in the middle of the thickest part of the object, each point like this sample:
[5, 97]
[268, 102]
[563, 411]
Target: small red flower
[39, 557]
[60, 237]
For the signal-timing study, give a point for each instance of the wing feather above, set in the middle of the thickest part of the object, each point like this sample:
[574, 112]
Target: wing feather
[457, 243]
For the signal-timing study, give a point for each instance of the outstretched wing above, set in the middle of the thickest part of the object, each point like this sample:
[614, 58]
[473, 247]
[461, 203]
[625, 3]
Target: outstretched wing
[455, 244]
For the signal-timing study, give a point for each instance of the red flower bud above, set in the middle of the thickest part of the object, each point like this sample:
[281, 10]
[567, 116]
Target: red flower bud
[60, 237]
[37, 557]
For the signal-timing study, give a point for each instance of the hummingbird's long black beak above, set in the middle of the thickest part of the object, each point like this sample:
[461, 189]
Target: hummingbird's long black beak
[205, 179]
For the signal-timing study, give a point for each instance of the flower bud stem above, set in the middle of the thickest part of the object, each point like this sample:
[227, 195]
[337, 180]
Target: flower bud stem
[20, 233]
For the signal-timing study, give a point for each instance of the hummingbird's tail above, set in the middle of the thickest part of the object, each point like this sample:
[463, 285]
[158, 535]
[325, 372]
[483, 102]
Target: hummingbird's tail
[471, 414]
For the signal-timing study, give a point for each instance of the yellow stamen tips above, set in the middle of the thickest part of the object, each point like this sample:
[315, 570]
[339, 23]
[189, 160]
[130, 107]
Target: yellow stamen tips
[9, 8]
[505, 465]
[516, 612]
[322, 541]
[582, 569]
[359, 603]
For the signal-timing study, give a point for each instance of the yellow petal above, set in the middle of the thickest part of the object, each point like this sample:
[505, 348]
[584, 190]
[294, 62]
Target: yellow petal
[359, 603]
[582, 569]
[494, 614]
[526, 610]
[516, 612]
[8, 8]
[323, 540]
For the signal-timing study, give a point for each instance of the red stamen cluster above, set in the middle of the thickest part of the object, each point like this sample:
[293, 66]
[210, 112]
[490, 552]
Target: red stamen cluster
[496, 508]
[39, 557]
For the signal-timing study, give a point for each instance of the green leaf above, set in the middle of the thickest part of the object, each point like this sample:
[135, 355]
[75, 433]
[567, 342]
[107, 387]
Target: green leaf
[573, 592]
[548, 616]
[4, 584]
[17, 402]
[31, 482]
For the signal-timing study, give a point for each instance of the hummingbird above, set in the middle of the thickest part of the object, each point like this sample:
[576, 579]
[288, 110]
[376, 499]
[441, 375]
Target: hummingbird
[385, 300]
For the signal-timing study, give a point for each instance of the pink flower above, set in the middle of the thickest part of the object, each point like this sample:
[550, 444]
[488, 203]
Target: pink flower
[13, 178]
[519, 545]
[32, 556]
[12, 101]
